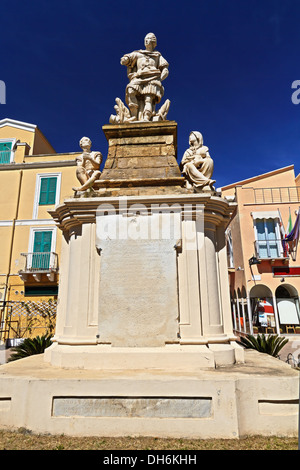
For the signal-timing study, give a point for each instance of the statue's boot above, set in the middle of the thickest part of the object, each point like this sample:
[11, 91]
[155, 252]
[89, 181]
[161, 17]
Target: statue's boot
[134, 111]
[147, 115]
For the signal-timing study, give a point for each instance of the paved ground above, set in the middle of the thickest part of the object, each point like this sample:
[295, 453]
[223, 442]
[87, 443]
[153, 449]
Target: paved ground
[255, 364]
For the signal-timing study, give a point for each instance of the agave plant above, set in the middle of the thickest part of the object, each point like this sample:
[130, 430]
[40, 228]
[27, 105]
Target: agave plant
[31, 346]
[268, 344]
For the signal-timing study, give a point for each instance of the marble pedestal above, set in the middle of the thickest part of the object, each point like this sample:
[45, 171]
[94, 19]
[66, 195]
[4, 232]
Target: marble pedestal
[144, 282]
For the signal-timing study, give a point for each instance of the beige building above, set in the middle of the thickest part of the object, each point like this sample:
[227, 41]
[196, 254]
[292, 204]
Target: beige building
[264, 274]
[33, 179]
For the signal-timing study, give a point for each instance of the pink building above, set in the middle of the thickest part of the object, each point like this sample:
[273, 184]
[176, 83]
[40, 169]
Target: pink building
[264, 270]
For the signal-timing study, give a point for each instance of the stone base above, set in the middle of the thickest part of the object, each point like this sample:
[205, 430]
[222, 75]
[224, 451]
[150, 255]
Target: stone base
[259, 397]
[106, 357]
[141, 160]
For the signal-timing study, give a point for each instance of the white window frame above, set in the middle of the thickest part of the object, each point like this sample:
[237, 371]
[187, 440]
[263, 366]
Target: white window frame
[32, 233]
[39, 177]
[13, 148]
[277, 237]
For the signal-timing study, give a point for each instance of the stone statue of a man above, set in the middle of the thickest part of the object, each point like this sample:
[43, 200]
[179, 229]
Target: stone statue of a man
[88, 165]
[146, 69]
[197, 165]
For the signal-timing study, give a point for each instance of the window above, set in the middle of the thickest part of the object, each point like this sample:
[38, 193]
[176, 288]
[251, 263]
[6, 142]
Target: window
[266, 237]
[268, 240]
[48, 191]
[41, 250]
[7, 151]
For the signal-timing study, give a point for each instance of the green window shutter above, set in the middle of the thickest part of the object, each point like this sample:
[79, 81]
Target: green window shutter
[43, 191]
[47, 241]
[41, 245]
[48, 191]
[5, 152]
[42, 242]
[5, 146]
[52, 190]
[37, 242]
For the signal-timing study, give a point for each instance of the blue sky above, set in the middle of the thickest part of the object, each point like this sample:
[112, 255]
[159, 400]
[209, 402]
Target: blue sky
[232, 65]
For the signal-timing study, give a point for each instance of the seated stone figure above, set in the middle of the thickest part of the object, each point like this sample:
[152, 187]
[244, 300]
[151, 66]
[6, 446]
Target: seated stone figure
[88, 165]
[145, 69]
[197, 165]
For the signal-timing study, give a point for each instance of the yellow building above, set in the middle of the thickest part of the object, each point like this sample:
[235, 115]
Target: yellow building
[33, 179]
[264, 275]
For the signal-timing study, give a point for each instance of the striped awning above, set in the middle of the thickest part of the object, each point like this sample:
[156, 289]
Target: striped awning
[265, 215]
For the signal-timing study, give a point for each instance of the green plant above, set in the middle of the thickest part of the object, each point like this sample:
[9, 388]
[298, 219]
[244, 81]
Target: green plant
[268, 344]
[30, 346]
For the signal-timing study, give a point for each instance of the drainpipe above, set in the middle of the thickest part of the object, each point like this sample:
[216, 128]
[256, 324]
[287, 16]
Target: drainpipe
[3, 317]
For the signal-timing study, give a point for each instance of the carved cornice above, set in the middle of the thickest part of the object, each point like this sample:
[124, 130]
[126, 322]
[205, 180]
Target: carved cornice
[77, 211]
[151, 128]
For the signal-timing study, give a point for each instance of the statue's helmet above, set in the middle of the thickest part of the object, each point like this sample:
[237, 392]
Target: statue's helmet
[152, 37]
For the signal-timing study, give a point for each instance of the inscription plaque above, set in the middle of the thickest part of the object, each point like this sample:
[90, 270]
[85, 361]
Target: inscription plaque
[138, 304]
[133, 407]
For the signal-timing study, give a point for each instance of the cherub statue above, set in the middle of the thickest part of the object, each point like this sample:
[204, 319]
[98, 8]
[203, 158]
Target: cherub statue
[88, 165]
[146, 69]
[197, 165]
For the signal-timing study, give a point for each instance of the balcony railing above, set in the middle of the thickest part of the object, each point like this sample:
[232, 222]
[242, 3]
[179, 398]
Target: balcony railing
[276, 195]
[40, 262]
[5, 156]
[271, 249]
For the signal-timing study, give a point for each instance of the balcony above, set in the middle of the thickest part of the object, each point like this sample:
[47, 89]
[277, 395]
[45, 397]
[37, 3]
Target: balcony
[272, 249]
[37, 264]
[276, 195]
[5, 156]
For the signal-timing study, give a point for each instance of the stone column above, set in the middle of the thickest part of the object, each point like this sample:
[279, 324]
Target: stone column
[223, 281]
[205, 313]
[63, 286]
[78, 291]
[210, 293]
[189, 299]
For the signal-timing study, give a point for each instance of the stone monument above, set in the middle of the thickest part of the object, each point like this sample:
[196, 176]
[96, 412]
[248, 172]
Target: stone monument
[146, 257]
[144, 343]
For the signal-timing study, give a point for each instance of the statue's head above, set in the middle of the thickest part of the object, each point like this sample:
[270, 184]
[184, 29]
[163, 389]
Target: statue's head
[196, 139]
[85, 143]
[150, 41]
